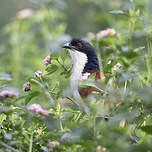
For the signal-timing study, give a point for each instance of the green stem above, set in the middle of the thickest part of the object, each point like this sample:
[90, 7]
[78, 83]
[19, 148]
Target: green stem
[99, 59]
[8, 147]
[45, 91]
[125, 87]
[31, 143]
[94, 126]
[61, 125]
[149, 61]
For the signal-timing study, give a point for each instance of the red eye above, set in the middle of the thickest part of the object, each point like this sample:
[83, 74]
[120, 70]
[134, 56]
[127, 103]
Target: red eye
[79, 46]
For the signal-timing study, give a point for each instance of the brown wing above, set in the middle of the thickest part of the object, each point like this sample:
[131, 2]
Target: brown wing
[84, 92]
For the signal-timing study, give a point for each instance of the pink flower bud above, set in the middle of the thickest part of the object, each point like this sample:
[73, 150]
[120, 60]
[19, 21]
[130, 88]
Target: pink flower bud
[26, 86]
[47, 60]
[24, 13]
[7, 93]
[53, 144]
[38, 109]
[105, 33]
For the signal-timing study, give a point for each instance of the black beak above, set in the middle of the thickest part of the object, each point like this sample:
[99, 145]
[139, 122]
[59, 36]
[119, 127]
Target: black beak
[68, 46]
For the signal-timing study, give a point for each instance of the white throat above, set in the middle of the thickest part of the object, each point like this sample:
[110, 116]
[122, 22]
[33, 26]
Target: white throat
[79, 60]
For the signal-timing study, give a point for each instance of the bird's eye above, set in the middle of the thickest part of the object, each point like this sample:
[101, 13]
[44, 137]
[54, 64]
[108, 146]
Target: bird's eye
[78, 46]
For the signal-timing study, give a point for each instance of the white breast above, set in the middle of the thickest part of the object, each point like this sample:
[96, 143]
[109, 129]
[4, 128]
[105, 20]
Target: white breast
[79, 60]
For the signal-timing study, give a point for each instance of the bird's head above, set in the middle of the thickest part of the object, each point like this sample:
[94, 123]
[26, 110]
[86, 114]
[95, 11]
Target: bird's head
[80, 45]
[84, 50]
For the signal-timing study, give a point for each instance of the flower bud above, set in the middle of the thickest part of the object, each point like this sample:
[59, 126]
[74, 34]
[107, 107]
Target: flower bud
[26, 87]
[38, 73]
[47, 60]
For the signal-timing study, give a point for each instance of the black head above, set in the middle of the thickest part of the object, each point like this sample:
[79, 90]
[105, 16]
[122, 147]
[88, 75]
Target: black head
[80, 45]
[85, 47]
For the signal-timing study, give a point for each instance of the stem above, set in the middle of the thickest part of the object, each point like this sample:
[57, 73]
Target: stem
[94, 126]
[31, 143]
[45, 91]
[149, 60]
[9, 147]
[61, 125]
[99, 59]
[125, 87]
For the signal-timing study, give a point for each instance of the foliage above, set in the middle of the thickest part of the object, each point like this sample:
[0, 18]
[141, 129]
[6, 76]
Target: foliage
[116, 119]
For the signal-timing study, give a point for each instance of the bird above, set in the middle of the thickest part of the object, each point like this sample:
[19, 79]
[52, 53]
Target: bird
[85, 62]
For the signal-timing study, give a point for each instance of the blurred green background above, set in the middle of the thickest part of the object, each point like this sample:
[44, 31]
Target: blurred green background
[30, 30]
[24, 42]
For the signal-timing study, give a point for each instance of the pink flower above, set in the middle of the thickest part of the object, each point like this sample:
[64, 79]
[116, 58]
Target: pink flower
[26, 86]
[101, 149]
[24, 13]
[98, 148]
[65, 136]
[7, 93]
[54, 144]
[38, 73]
[47, 60]
[38, 109]
[105, 33]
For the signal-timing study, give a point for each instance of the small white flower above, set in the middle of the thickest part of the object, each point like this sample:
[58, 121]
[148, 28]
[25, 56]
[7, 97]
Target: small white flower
[117, 66]
[38, 73]
[85, 76]
[109, 62]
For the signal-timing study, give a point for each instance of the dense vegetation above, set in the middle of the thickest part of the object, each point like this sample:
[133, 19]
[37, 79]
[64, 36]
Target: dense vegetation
[37, 110]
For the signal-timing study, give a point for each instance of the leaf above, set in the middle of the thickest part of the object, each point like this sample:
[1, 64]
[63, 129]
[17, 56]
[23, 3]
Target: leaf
[5, 76]
[147, 129]
[129, 54]
[131, 12]
[84, 83]
[116, 12]
[52, 68]
[31, 95]
[2, 118]
[139, 48]
[70, 111]
[20, 98]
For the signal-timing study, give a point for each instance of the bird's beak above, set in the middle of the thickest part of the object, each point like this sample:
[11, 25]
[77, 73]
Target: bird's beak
[67, 46]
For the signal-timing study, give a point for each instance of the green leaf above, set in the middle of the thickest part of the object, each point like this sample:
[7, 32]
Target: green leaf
[137, 12]
[31, 96]
[51, 68]
[139, 49]
[131, 12]
[20, 98]
[2, 118]
[147, 129]
[85, 83]
[70, 111]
